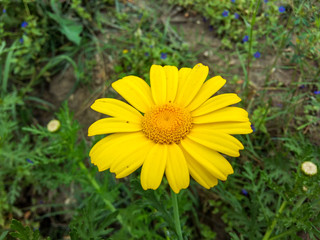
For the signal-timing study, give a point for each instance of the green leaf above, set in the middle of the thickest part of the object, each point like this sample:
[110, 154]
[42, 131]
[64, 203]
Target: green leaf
[68, 27]
[3, 235]
[23, 233]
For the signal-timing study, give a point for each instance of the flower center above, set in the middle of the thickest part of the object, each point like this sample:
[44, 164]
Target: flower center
[166, 124]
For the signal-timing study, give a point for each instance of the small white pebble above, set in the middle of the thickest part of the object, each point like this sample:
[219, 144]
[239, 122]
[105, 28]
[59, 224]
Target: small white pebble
[198, 22]
[53, 125]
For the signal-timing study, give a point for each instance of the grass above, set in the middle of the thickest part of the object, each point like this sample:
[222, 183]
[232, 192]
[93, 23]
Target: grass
[48, 187]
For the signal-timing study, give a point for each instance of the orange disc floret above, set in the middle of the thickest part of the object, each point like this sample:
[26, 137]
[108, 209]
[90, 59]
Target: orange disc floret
[166, 124]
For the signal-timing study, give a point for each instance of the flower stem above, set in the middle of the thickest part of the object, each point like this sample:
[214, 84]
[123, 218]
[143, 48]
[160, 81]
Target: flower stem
[176, 215]
[274, 222]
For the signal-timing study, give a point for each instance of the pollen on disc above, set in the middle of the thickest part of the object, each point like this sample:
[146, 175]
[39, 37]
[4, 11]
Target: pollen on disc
[166, 124]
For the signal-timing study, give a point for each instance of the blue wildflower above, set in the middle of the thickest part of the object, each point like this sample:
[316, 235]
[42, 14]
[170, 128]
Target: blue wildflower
[282, 9]
[4, 11]
[146, 54]
[204, 19]
[140, 16]
[29, 161]
[302, 86]
[163, 56]
[210, 28]
[236, 16]
[245, 38]
[265, 1]
[253, 128]
[280, 105]
[151, 46]
[21, 40]
[257, 54]
[225, 13]
[24, 24]
[233, 1]
[316, 92]
[244, 192]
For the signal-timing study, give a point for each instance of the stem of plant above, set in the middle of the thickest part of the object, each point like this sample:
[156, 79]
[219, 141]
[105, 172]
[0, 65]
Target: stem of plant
[176, 215]
[253, 20]
[274, 222]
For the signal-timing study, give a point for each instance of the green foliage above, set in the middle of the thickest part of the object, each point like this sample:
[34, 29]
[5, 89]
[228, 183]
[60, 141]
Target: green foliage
[56, 150]
[92, 221]
[24, 233]
[231, 20]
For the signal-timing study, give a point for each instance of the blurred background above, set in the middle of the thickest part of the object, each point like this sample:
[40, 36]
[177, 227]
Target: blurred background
[57, 57]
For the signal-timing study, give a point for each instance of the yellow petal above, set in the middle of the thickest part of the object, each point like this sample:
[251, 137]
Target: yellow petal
[158, 83]
[100, 145]
[109, 148]
[132, 152]
[191, 85]
[132, 162]
[216, 103]
[117, 108]
[216, 140]
[183, 74]
[136, 91]
[229, 127]
[209, 159]
[154, 166]
[172, 82]
[199, 173]
[177, 170]
[208, 89]
[227, 114]
[112, 125]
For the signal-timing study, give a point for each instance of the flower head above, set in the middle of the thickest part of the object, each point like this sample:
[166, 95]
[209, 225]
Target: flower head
[282, 9]
[233, 1]
[24, 24]
[265, 1]
[173, 126]
[29, 161]
[21, 40]
[225, 13]
[53, 125]
[316, 92]
[236, 15]
[245, 38]
[244, 192]
[309, 168]
[163, 56]
[125, 51]
[257, 54]
[4, 10]
[146, 54]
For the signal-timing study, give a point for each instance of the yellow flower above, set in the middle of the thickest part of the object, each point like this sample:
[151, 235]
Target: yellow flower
[125, 51]
[174, 127]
